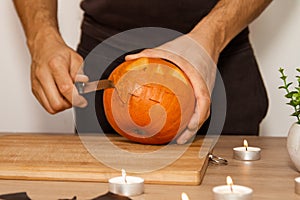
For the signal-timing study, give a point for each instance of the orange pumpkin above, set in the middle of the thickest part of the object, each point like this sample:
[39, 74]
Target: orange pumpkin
[152, 102]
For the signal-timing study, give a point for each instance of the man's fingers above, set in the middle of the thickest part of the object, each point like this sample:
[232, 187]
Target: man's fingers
[76, 65]
[134, 56]
[81, 78]
[202, 111]
[185, 136]
[78, 100]
[149, 53]
[66, 87]
[41, 97]
[57, 102]
[77, 75]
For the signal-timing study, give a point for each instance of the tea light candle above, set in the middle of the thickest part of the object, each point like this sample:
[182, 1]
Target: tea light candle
[126, 185]
[232, 192]
[246, 153]
[297, 185]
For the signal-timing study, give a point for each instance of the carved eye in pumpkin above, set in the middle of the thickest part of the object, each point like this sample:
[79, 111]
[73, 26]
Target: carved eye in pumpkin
[152, 102]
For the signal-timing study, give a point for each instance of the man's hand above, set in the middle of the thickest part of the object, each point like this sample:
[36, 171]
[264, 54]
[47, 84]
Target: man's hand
[54, 70]
[198, 66]
[212, 34]
[54, 65]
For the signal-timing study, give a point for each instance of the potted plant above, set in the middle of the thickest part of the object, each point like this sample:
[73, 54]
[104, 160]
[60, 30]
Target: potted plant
[293, 139]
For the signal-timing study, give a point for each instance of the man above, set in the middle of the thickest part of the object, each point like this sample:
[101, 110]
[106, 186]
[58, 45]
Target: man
[220, 27]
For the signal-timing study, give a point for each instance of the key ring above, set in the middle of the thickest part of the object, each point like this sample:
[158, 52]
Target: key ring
[217, 160]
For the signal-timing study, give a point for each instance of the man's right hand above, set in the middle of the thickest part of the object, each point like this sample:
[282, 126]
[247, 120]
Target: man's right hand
[54, 69]
[55, 66]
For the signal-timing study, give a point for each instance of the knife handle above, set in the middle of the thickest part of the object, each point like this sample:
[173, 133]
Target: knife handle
[80, 87]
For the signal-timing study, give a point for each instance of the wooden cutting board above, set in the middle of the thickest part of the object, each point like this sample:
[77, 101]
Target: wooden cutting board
[64, 158]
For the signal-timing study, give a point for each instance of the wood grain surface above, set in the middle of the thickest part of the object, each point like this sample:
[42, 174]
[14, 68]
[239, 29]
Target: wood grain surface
[271, 178]
[65, 158]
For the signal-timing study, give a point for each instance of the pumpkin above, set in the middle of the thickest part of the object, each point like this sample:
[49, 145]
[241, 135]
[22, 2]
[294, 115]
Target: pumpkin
[152, 101]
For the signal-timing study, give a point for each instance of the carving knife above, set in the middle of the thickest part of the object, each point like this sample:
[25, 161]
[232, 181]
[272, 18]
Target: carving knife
[88, 87]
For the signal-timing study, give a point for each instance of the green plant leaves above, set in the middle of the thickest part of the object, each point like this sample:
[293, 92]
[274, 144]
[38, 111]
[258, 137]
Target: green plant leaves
[283, 77]
[281, 87]
[293, 95]
[297, 113]
[281, 70]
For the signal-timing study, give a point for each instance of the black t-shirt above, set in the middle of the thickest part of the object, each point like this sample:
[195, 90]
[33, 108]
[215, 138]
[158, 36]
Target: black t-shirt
[104, 18]
[246, 96]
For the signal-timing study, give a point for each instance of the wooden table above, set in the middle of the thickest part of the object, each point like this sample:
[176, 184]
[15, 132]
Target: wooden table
[272, 177]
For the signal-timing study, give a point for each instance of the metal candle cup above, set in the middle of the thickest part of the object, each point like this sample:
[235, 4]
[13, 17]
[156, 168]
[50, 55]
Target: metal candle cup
[232, 192]
[238, 192]
[252, 153]
[132, 187]
[297, 185]
[246, 153]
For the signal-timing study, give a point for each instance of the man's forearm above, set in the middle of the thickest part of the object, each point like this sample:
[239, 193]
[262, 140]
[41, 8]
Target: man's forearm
[37, 17]
[226, 20]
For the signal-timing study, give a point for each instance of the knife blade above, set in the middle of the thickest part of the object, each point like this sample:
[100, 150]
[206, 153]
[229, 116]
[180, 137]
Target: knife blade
[88, 87]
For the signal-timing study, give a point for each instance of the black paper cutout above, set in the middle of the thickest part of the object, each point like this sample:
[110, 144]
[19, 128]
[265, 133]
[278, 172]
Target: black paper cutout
[16, 196]
[23, 196]
[111, 196]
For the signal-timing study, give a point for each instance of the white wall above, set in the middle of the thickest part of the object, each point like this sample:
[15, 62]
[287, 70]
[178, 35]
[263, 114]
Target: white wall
[274, 35]
[19, 110]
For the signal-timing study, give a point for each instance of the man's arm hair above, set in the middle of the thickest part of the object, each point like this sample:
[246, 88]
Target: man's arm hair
[37, 16]
[54, 65]
[227, 19]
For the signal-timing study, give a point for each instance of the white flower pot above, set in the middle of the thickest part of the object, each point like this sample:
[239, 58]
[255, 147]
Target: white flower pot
[293, 144]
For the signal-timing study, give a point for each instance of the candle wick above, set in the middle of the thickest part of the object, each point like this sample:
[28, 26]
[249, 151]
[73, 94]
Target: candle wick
[125, 178]
[231, 188]
[124, 175]
[246, 148]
